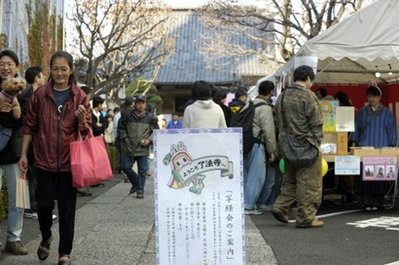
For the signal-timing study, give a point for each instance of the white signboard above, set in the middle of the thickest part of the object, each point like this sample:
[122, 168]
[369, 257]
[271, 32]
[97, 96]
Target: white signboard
[347, 165]
[199, 197]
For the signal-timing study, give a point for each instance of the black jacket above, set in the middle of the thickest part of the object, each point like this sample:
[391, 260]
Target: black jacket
[12, 152]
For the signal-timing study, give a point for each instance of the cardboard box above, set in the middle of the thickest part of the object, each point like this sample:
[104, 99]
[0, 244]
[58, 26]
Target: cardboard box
[339, 139]
[370, 151]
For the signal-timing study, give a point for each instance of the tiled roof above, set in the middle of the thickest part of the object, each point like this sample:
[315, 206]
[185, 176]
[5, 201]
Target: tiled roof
[189, 63]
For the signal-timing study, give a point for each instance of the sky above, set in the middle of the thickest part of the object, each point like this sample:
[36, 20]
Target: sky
[198, 3]
[185, 3]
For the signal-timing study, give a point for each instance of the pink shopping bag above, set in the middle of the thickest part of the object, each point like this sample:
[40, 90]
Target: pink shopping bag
[89, 161]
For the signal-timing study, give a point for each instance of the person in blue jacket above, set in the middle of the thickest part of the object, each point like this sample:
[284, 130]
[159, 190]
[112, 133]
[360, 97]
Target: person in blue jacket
[175, 122]
[374, 126]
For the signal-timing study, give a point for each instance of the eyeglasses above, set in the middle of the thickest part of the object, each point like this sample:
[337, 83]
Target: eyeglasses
[7, 64]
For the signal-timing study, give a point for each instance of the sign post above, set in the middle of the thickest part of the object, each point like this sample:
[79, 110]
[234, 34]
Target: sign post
[199, 197]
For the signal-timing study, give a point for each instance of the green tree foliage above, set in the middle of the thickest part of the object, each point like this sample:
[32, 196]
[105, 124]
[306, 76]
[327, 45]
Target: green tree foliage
[145, 87]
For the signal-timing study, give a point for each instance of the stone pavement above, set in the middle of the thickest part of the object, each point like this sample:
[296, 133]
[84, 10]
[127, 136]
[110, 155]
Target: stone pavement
[117, 229]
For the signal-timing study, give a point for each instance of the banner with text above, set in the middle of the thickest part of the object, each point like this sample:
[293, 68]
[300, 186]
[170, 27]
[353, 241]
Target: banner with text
[199, 196]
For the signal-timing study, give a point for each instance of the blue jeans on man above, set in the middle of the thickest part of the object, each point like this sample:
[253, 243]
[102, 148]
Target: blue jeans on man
[15, 215]
[254, 175]
[267, 196]
[136, 179]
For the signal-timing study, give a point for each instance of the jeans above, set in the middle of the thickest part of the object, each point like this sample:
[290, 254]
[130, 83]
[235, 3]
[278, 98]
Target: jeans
[267, 195]
[254, 175]
[15, 215]
[137, 179]
[5, 135]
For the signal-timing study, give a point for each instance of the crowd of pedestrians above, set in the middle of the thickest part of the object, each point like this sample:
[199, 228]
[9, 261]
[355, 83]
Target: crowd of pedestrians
[54, 110]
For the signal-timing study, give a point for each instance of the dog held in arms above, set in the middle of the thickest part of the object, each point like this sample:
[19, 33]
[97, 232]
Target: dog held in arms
[10, 89]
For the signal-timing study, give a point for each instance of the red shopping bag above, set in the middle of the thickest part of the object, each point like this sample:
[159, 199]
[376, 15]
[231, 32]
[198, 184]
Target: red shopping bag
[89, 161]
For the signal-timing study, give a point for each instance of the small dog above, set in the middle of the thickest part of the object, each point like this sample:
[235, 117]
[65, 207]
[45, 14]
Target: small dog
[11, 88]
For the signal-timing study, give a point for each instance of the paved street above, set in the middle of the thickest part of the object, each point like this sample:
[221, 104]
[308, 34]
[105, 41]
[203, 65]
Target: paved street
[350, 237]
[116, 229]
[31, 226]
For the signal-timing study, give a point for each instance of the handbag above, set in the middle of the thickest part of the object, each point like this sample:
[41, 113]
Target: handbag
[90, 163]
[297, 150]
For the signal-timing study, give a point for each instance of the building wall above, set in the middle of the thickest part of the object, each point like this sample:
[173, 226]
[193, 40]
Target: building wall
[251, 80]
[174, 97]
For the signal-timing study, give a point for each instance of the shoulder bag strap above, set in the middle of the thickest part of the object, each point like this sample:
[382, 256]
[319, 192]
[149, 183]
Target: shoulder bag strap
[258, 137]
[283, 112]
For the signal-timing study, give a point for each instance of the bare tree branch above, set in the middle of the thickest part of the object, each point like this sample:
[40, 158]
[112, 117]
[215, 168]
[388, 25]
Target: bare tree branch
[119, 40]
[293, 22]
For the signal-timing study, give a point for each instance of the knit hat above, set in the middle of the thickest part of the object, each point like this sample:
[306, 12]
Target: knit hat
[140, 98]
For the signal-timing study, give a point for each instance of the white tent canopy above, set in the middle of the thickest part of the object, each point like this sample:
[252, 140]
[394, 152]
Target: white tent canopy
[356, 48]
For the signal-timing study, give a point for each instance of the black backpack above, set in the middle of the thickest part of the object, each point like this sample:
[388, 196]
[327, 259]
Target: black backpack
[243, 119]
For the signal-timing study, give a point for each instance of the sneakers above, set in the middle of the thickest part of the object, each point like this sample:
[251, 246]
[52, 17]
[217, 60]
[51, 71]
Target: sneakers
[140, 195]
[84, 193]
[16, 248]
[33, 215]
[97, 185]
[316, 223]
[279, 216]
[253, 211]
[371, 208]
[30, 215]
[265, 208]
